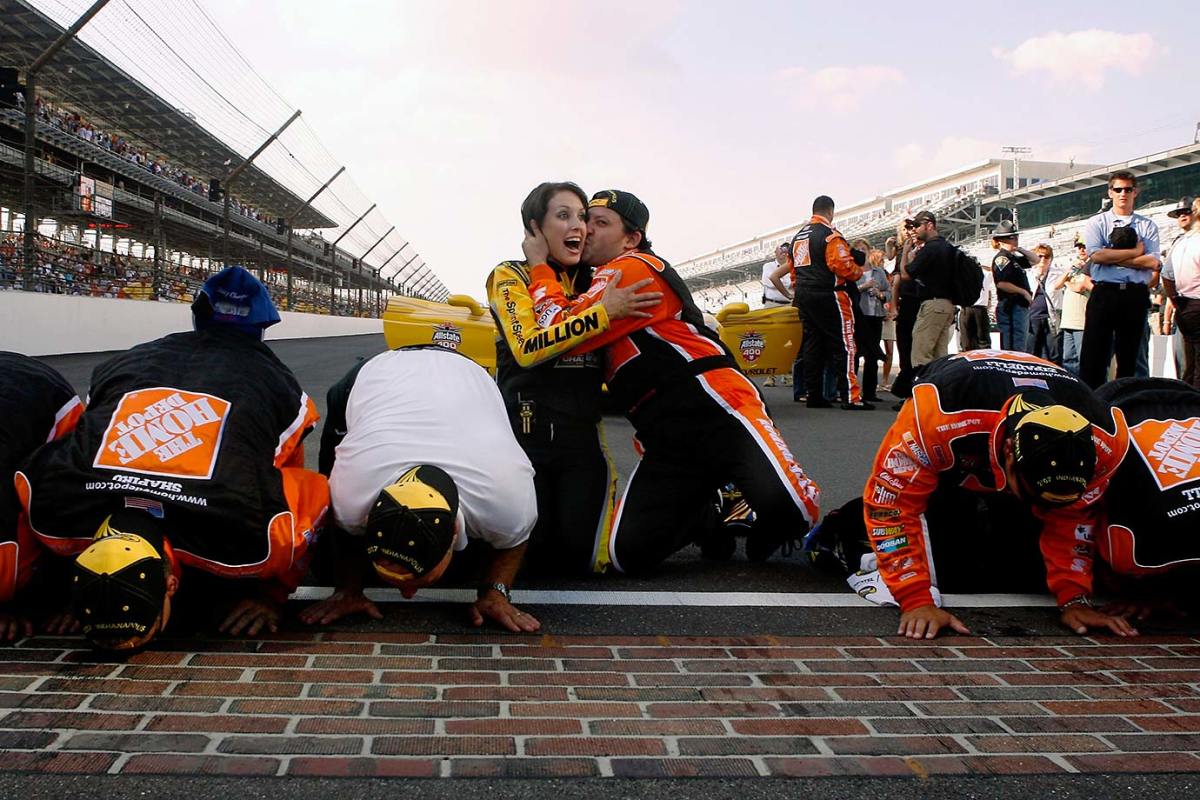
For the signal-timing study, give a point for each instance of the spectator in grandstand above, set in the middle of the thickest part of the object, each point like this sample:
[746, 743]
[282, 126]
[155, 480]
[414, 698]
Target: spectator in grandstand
[931, 268]
[421, 460]
[1045, 310]
[875, 292]
[553, 398]
[1181, 283]
[189, 455]
[1009, 267]
[975, 322]
[1120, 301]
[1076, 286]
[908, 303]
[827, 269]
[37, 405]
[701, 422]
[989, 480]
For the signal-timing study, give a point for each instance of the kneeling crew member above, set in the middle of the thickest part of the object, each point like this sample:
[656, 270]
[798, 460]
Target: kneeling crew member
[37, 405]
[420, 456]
[992, 421]
[194, 439]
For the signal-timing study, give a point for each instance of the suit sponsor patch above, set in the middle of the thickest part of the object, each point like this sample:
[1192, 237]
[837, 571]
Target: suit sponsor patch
[881, 514]
[881, 496]
[918, 452]
[890, 530]
[1170, 448]
[164, 431]
[892, 545]
[899, 462]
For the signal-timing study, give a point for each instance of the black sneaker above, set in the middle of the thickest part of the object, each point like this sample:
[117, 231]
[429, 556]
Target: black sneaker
[857, 407]
[819, 404]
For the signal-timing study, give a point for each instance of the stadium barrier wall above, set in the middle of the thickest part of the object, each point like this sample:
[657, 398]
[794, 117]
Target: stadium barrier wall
[54, 324]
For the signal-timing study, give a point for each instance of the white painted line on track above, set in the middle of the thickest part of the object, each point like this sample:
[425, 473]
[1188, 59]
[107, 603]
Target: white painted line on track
[574, 597]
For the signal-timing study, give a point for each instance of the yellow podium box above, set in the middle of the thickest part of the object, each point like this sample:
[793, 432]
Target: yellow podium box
[459, 324]
[764, 341]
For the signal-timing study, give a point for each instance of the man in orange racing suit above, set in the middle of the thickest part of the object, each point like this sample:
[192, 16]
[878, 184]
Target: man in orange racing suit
[991, 421]
[700, 421]
[825, 272]
[37, 405]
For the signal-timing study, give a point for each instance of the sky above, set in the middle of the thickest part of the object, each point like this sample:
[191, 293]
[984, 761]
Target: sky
[726, 118]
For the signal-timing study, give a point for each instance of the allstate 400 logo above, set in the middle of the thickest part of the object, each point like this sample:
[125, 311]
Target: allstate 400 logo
[447, 335]
[752, 345]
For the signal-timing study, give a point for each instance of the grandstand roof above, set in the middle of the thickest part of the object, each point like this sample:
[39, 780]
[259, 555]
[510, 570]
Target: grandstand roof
[81, 78]
[1156, 162]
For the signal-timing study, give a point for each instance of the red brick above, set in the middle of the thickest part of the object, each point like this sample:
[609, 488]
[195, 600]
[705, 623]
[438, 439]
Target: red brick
[1121, 762]
[501, 693]
[58, 762]
[798, 726]
[1086, 665]
[1159, 676]
[826, 679]
[524, 768]
[314, 676]
[350, 767]
[1011, 652]
[1031, 641]
[222, 689]
[513, 727]
[62, 670]
[897, 693]
[489, 637]
[245, 660]
[74, 720]
[595, 746]
[872, 653]
[14, 683]
[442, 678]
[1187, 705]
[359, 726]
[372, 662]
[217, 723]
[546, 640]
[568, 679]
[438, 650]
[1172, 692]
[1054, 743]
[55, 701]
[656, 727]
[953, 679]
[739, 666]
[1117, 649]
[767, 695]
[846, 709]
[292, 745]
[724, 641]
[683, 768]
[297, 707]
[114, 702]
[678, 710]
[575, 710]
[477, 665]
[938, 725]
[444, 746]
[825, 641]
[1095, 707]
[372, 691]
[791, 653]
[179, 674]
[976, 665]
[694, 679]
[1071, 724]
[138, 742]
[1074, 679]
[1179, 724]
[101, 686]
[526, 651]
[641, 653]
[1009, 765]
[375, 636]
[1155, 742]
[199, 765]
[893, 745]
[746, 746]
[620, 665]
[1169, 662]
[871, 666]
[981, 709]
[32, 654]
[638, 695]
[318, 648]
[28, 740]
[819, 766]
[388, 708]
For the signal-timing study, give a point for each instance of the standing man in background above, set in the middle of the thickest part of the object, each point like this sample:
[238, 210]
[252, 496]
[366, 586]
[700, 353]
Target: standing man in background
[1046, 309]
[1012, 286]
[1076, 286]
[975, 322]
[1120, 301]
[932, 269]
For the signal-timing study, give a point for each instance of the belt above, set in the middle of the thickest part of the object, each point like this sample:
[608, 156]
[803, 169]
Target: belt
[1122, 285]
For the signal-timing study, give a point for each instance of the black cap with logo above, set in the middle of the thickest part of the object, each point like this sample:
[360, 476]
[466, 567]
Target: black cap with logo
[1053, 450]
[119, 583]
[1184, 207]
[411, 524]
[630, 209]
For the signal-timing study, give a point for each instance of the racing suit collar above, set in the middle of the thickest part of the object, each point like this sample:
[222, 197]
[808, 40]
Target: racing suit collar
[996, 448]
[818, 218]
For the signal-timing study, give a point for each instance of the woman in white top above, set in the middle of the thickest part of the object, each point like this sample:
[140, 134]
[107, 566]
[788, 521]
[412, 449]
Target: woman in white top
[1181, 283]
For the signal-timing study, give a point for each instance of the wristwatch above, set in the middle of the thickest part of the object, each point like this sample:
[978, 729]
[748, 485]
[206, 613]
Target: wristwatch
[1077, 600]
[502, 588]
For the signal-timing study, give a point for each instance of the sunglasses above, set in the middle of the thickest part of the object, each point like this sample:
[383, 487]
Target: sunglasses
[1123, 189]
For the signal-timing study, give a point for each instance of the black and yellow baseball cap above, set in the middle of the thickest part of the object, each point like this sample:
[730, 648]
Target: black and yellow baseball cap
[119, 582]
[627, 205]
[1055, 457]
[411, 524]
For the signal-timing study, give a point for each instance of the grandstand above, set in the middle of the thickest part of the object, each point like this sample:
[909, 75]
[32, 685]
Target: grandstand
[131, 190]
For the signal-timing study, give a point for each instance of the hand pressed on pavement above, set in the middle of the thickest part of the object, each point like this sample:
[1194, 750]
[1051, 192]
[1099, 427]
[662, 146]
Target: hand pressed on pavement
[341, 603]
[61, 623]
[251, 616]
[1081, 618]
[495, 607]
[629, 301]
[926, 621]
[14, 626]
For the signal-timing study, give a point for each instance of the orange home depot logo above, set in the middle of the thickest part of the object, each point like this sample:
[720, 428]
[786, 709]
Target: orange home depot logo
[1171, 448]
[164, 431]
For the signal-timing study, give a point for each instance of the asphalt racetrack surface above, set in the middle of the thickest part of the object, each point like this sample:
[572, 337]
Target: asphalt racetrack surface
[707, 679]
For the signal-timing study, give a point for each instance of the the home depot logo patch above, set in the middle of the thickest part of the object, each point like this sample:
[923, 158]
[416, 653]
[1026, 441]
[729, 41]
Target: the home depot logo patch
[164, 431]
[752, 345]
[1171, 448]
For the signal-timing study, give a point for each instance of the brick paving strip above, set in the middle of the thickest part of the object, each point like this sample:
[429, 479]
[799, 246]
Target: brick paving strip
[388, 704]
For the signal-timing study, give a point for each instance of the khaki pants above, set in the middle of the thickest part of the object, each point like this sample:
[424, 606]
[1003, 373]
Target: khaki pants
[931, 333]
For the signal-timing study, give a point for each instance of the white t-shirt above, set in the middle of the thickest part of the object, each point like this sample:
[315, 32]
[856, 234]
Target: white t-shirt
[427, 406]
[769, 291]
[1183, 266]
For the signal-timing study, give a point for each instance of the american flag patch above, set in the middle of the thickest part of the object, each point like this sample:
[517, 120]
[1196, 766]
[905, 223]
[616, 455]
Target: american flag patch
[151, 507]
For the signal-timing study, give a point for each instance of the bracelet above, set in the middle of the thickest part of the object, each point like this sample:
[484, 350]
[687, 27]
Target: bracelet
[499, 587]
[1077, 600]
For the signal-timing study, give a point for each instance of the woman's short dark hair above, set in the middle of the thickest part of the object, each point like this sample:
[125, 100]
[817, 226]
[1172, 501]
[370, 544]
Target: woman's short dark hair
[538, 202]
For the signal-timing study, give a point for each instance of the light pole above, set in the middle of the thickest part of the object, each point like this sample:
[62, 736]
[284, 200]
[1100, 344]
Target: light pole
[1016, 153]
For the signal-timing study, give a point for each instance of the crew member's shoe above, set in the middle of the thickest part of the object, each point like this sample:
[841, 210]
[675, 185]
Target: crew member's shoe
[819, 403]
[857, 407]
[762, 544]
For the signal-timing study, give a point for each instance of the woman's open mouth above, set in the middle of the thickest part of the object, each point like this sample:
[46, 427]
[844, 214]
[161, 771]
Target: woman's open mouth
[573, 244]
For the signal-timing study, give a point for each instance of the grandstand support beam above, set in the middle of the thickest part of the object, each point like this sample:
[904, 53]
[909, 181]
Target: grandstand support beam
[158, 243]
[236, 173]
[404, 266]
[362, 260]
[333, 256]
[291, 220]
[378, 288]
[31, 73]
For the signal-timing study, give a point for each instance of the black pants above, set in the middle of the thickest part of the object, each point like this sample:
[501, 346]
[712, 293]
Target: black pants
[906, 318]
[1188, 319]
[692, 447]
[575, 483]
[967, 532]
[974, 329]
[828, 320]
[1042, 341]
[869, 334]
[1115, 320]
